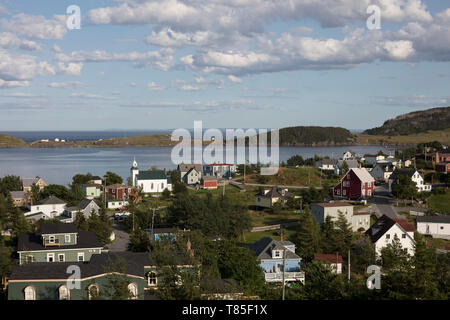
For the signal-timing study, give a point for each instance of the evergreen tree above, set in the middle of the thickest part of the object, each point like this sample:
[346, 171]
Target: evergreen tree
[328, 236]
[307, 238]
[80, 222]
[139, 241]
[19, 223]
[343, 235]
[395, 257]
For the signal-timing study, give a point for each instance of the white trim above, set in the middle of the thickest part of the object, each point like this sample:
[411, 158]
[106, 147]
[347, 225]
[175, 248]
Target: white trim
[79, 255]
[60, 248]
[63, 255]
[52, 255]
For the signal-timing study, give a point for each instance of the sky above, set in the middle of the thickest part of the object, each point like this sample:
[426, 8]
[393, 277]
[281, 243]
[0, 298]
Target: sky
[160, 64]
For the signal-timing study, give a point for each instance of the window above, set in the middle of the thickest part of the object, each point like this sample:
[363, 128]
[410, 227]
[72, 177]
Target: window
[61, 257]
[151, 186]
[132, 288]
[442, 228]
[338, 191]
[64, 293]
[67, 238]
[152, 279]
[93, 291]
[388, 236]
[51, 239]
[50, 257]
[344, 192]
[368, 192]
[277, 254]
[162, 185]
[80, 256]
[30, 293]
[403, 236]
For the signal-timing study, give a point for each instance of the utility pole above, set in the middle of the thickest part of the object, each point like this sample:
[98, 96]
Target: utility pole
[223, 192]
[104, 192]
[245, 164]
[284, 269]
[348, 265]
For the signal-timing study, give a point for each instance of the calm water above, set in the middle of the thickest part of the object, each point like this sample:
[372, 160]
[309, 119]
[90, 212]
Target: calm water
[60, 165]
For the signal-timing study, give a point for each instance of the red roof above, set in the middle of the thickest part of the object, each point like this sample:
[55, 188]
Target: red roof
[331, 258]
[405, 224]
[333, 204]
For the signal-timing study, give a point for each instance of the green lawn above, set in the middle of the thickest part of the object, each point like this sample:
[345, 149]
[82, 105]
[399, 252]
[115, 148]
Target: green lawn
[440, 202]
[262, 218]
[252, 237]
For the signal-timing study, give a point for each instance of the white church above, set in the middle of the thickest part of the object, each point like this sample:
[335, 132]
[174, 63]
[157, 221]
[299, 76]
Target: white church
[151, 181]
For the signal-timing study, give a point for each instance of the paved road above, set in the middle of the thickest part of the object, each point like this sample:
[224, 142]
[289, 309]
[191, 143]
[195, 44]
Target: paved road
[122, 239]
[381, 203]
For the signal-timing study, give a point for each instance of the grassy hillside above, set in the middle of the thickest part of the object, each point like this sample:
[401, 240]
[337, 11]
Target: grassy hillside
[443, 136]
[440, 203]
[10, 142]
[414, 123]
[315, 136]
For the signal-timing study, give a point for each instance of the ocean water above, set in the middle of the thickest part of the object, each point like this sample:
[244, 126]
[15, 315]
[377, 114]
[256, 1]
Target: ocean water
[60, 165]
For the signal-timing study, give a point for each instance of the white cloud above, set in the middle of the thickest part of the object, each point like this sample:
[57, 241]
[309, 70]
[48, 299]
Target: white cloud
[9, 40]
[13, 84]
[133, 84]
[16, 66]
[37, 27]
[72, 68]
[234, 79]
[188, 87]
[91, 96]
[161, 60]
[67, 85]
[152, 86]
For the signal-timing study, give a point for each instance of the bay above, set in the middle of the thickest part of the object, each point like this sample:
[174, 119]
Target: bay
[58, 166]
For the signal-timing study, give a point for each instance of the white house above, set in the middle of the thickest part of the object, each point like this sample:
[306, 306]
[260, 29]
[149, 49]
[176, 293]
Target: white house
[85, 208]
[384, 231]
[360, 221]
[435, 226]
[382, 171]
[320, 211]
[116, 204]
[414, 175]
[151, 181]
[326, 164]
[333, 261]
[49, 208]
[348, 155]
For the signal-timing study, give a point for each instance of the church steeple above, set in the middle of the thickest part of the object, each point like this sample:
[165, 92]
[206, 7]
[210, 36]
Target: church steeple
[134, 171]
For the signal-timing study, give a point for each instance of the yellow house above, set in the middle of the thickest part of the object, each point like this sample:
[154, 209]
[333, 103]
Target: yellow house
[27, 183]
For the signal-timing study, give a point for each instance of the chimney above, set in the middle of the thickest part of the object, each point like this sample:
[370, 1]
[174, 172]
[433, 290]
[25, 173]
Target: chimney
[281, 234]
[165, 170]
[189, 249]
[31, 201]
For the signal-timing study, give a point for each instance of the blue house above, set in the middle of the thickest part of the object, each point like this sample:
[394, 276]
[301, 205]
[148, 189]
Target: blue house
[270, 252]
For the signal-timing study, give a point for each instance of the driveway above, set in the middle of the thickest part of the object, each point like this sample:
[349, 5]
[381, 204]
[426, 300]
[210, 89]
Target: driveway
[122, 239]
[381, 203]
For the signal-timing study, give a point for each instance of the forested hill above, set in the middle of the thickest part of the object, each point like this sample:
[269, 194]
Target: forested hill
[414, 122]
[315, 136]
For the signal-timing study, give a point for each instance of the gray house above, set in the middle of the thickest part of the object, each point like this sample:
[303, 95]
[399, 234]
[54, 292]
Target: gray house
[192, 176]
[184, 168]
[85, 207]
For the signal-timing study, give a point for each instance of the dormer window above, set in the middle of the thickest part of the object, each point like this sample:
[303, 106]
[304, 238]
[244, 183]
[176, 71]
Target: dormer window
[277, 254]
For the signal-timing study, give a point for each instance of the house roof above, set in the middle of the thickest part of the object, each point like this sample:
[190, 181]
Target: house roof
[184, 167]
[361, 213]
[17, 194]
[434, 219]
[84, 203]
[383, 165]
[363, 174]
[91, 185]
[28, 182]
[54, 228]
[405, 172]
[209, 178]
[118, 186]
[330, 258]
[275, 192]
[333, 204]
[51, 200]
[134, 265]
[351, 163]
[384, 223]
[33, 242]
[193, 169]
[263, 248]
[328, 161]
[151, 175]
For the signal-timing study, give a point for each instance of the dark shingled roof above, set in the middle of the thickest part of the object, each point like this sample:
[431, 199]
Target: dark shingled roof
[405, 172]
[263, 248]
[275, 192]
[151, 175]
[185, 167]
[32, 242]
[434, 219]
[52, 200]
[84, 203]
[99, 263]
[328, 257]
[55, 228]
[383, 224]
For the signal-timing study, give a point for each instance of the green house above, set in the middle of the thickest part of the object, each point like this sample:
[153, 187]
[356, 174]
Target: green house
[57, 243]
[92, 191]
[55, 281]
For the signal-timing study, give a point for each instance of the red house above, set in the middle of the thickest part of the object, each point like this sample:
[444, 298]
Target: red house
[209, 182]
[356, 184]
[119, 191]
[443, 167]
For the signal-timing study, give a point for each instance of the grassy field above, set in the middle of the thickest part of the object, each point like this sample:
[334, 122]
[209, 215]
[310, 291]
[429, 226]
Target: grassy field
[252, 237]
[437, 243]
[8, 141]
[300, 176]
[440, 202]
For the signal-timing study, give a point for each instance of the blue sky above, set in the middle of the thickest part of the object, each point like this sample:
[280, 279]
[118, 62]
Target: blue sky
[147, 64]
